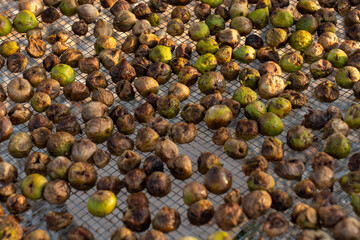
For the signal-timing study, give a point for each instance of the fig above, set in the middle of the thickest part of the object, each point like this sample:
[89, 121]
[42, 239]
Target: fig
[218, 180]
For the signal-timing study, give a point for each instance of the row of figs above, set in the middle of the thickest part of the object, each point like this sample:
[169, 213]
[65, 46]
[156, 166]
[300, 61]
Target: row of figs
[72, 155]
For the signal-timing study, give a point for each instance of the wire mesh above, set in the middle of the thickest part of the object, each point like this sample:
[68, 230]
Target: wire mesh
[103, 227]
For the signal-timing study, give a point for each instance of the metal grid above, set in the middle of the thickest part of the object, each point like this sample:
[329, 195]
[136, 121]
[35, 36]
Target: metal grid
[103, 227]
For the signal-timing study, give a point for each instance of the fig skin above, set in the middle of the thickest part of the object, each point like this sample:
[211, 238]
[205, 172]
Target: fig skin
[166, 220]
[137, 219]
[70, 125]
[166, 149]
[159, 124]
[56, 192]
[137, 200]
[273, 149]
[146, 139]
[182, 132]
[110, 183]
[299, 138]
[315, 119]
[158, 184]
[275, 225]
[128, 161]
[16, 203]
[135, 180]
[82, 176]
[337, 145]
[253, 164]
[329, 216]
[305, 189]
[193, 192]
[152, 164]
[37, 162]
[323, 178]
[9, 225]
[228, 216]
[60, 143]
[123, 232]
[6, 189]
[218, 180]
[246, 129]
[20, 90]
[354, 162]
[180, 167]
[218, 116]
[281, 201]
[323, 159]
[256, 203]
[291, 169]
[20, 145]
[57, 220]
[80, 232]
[98, 130]
[259, 180]
[144, 112]
[58, 168]
[236, 148]
[118, 143]
[200, 212]
[206, 161]
[221, 136]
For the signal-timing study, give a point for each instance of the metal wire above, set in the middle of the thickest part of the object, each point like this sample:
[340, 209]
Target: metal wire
[103, 227]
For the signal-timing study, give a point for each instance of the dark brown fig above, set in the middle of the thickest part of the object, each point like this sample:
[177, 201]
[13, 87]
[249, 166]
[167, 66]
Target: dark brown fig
[6, 128]
[76, 91]
[273, 149]
[166, 149]
[206, 161]
[152, 164]
[160, 71]
[256, 203]
[322, 159]
[183, 50]
[305, 189]
[275, 225]
[297, 99]
[8, 172]
[158, 184]
[110, 183]
[221, 136]
[56, 221]
[125, 91]
[322, 177]
[266, 54]
[137, 200]
[19, 114]
[213, 99]
[218, 180]
[166, 220]
[37, 162]
[122, 71]
[141, 65]
[291, 169]
[49, 86]
[315, 119]
[119, 5]
[69, 124]
[128, 161]
[17, 62]
[130, 44]
[50, 61]
[80, 232]
[281, 201]
[153, 234]
[180, 167]
[6, 189]
[82, 176]
[200, 212]
[354, 162]
[126, 124]
[137, 219]
[56, 192]
[71, 57]
[3, 94]
[334, 112]
[146, 139]
[329, 216]
[233, 105]
[39, 121]
[144, 112]
[159, 124]
[193, 113]
[246, 129]
[347, 228]
[182, 132]
[96, 80]
[142, 51]
[254, 41]
[135, 180]
[228, 216]
[118, 143]
[158, 6]
[16, 203]
[253, 164]
[57, 111]
[234, 196]
[101, 158]
[202, 10]
[326, 91]
[80, 28]
[322, 199]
